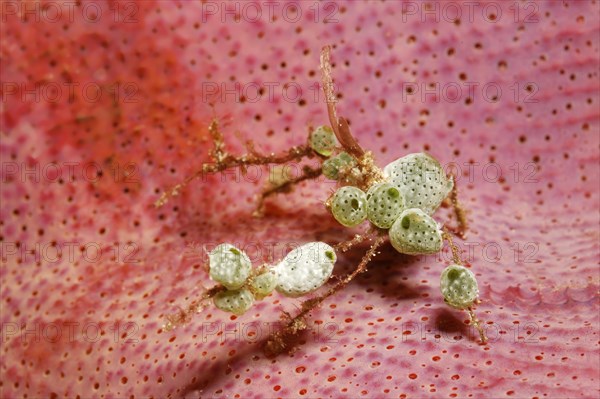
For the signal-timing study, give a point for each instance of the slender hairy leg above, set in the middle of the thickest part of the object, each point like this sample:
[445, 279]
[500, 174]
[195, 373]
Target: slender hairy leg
[455, 253]
[459, 212]
[196, 306]
[223, 160]
[308, 173]
[279, 341]
[477, 323]
[357, 239]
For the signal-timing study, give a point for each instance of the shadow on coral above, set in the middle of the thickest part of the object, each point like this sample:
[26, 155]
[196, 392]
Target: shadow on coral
[214, 373]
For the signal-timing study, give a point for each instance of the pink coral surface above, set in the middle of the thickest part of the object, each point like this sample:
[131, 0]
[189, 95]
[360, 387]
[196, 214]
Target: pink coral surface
[106, 104]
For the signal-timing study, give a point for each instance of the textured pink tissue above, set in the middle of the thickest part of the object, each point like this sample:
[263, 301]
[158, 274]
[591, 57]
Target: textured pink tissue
[106, 104]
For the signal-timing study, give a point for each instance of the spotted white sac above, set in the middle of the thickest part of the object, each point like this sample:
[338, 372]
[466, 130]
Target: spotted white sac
[415, 233]
[342, 163]
[305, 269]
[459, 286]
[421, 179]
[322, 140]
[384, 204]
[234, 301]
[349, 206]
[263, 284]
[229, 266]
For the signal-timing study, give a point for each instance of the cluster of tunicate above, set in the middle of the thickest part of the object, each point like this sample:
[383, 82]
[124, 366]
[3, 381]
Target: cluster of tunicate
[302, 271]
